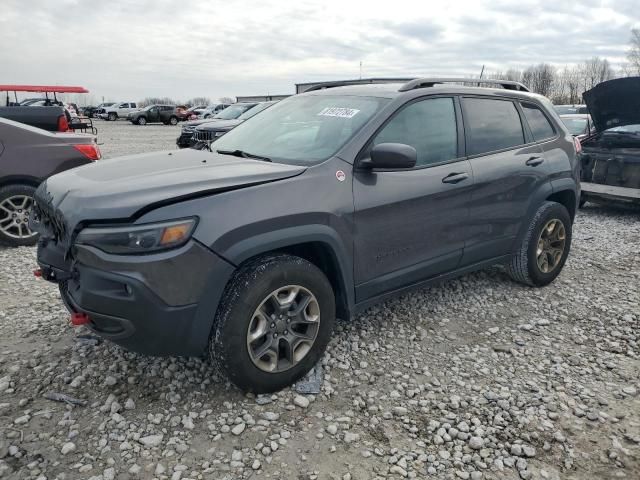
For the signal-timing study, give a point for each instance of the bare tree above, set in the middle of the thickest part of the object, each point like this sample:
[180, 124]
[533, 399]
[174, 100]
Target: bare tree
[539, 78]
[634, 52]
[595, 71]
[156, 100]
[197, 101]
[226, 100]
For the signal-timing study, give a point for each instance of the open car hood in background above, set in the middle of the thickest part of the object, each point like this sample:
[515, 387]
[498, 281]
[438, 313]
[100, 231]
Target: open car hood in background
[614, 103]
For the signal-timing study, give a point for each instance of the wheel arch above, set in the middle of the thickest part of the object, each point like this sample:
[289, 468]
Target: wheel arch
[318, 244]
[567, 198]
[20, 180]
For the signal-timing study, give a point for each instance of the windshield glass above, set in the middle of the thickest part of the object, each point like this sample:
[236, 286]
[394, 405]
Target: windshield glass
[232, 112]
[302, 129]
[626, 129]
[577, 126]
[257, 109]
[570, 109]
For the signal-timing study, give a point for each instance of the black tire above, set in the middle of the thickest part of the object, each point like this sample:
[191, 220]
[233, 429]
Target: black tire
[582, 202]
[253, 282]
[141, 121]
[113, 116]
[7, 192]
[173, 121]
[524, 266]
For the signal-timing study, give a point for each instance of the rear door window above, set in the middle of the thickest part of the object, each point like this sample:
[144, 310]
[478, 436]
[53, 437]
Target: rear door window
[540, 126]
[491, 125]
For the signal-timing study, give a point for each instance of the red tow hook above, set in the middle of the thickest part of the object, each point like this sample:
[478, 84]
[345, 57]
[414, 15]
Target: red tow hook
[37, 273]
[78, 319]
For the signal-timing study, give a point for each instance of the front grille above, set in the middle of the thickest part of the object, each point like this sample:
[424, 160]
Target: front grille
[203, 135]
[45, 219]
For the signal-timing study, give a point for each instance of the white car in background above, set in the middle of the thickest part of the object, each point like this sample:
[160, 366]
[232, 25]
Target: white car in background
[119, 110]
[212, 110]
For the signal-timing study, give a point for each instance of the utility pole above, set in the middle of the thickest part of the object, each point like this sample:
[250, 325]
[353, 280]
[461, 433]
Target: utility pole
[360, 69]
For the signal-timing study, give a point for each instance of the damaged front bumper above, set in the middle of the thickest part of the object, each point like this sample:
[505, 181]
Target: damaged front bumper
[160, 304]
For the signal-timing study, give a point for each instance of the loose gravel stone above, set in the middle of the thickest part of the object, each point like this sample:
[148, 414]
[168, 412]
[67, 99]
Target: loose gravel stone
[477, 377]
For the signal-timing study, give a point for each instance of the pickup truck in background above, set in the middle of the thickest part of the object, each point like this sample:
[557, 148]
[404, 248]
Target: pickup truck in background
[119, 110]
[51, 119]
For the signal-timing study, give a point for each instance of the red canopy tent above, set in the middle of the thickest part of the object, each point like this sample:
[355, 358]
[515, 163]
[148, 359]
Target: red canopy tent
[46, 89]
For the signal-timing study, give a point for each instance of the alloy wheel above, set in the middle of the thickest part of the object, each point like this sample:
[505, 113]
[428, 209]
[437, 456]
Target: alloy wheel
[283, 329]
[14, 216]
[551, 244]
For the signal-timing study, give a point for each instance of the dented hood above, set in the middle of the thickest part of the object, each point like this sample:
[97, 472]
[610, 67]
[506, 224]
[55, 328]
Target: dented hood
[614, 103]
[121, 188]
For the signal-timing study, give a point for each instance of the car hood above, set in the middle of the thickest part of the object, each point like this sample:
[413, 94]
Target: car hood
[614, 103]
[195, 123]
[123, 188]
[219, 125]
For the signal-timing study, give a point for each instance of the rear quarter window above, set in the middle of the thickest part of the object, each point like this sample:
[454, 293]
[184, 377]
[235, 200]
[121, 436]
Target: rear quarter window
[539, 124]
[491, 124]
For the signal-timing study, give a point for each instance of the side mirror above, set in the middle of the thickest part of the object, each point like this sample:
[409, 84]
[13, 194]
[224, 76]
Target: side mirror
[391, 156]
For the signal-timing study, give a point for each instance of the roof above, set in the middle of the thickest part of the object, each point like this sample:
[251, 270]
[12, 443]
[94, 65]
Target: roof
[575, 115]
[43, 88]
[392, 90]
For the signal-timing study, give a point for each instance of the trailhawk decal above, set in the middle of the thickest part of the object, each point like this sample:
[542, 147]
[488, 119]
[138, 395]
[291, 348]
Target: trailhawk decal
[338, 112]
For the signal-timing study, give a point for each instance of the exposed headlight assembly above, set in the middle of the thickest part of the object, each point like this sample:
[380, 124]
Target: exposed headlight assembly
[138, 239]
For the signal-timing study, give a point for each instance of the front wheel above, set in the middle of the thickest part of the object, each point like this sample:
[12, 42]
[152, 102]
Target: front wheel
[273, 324]
[142, 121]
[16, 202]
[545, 247]
[113, 116]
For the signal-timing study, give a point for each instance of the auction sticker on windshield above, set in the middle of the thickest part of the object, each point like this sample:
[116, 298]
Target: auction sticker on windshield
[339, 112]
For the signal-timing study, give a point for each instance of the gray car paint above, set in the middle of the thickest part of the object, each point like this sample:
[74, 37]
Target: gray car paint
[428, 231]
[31, 154]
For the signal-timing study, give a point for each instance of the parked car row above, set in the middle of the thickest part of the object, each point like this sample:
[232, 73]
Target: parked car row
[208, 129]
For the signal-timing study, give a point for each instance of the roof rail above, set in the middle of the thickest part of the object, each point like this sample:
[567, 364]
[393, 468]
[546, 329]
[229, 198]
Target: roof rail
[430, 82]
[363, 81]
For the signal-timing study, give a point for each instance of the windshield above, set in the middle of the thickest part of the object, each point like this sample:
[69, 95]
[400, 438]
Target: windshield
[252, 111]
[570, 109]
[577, 126]
[302, 129]
[232, 112]
[635, 129]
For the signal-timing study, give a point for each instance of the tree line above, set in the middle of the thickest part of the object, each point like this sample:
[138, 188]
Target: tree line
[565, 85]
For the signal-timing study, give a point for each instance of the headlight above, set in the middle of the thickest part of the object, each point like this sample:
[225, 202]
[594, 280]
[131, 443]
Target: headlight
[148, 238]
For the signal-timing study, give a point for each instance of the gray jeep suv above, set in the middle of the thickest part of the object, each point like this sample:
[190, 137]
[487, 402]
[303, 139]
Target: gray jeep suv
[322, 205]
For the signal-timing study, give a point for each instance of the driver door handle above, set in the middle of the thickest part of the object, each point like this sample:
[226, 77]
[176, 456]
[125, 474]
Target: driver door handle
[534, 161]
[455, 177]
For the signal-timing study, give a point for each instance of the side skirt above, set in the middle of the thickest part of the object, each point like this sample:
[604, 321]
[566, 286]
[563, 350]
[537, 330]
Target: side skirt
[360, 307]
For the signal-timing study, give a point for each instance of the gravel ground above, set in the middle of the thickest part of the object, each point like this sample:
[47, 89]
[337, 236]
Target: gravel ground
[478, 378]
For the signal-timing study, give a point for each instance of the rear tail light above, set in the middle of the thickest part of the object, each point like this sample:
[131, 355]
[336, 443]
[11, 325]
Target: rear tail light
[89, 150]
[63, 124]
[578, 145]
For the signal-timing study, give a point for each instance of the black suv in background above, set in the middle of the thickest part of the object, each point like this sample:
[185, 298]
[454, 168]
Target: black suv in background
[166, 114]
[211, 131]
[318, 207]
[230, 113]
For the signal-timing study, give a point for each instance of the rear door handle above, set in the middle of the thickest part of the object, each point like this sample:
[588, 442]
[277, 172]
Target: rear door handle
[455, 177]
[534, 161]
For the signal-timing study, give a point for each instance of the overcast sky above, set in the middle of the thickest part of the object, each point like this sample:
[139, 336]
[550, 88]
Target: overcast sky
[127, 50]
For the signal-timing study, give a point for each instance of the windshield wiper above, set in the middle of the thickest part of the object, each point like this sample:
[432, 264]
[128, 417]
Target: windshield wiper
[242, 154]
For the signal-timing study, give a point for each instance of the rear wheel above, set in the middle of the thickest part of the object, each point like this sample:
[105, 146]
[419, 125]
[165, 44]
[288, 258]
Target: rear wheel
[545, 247]
[142, 121]
[113, 116]
[16, 202]
[273, 323]
[173, 121]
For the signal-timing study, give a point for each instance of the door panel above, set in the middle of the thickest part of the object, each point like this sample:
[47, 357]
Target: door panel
[409, 226]
[504, 180]
[503, 185]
